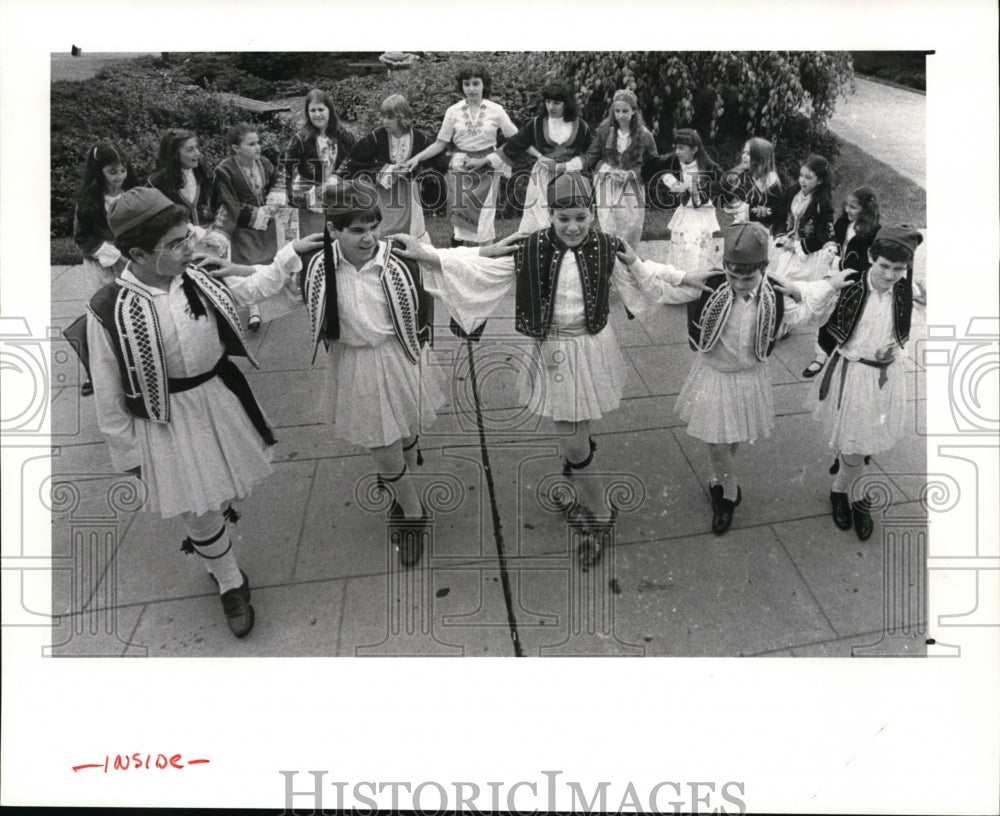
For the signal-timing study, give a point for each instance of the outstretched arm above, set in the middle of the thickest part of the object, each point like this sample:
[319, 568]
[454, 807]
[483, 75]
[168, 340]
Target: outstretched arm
[470, 282]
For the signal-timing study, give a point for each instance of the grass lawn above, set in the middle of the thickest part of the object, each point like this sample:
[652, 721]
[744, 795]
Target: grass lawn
[900, 200]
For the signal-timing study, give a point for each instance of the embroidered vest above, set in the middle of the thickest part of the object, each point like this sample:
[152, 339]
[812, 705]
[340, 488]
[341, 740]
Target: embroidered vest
[852, 301]
[707, 316]
[537, 261]
[127, 313]
[411, 308]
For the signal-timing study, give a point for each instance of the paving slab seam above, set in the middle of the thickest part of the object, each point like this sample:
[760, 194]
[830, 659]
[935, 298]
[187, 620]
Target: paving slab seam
[305, 515]
[338, 650]
[805, 583]
[871, 633]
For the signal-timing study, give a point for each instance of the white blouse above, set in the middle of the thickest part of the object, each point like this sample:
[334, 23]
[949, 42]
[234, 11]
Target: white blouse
[474, 133]
[189, 187]
[558, 129]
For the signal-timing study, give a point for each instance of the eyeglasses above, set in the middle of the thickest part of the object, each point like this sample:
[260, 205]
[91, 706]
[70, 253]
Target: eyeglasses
[177, 247]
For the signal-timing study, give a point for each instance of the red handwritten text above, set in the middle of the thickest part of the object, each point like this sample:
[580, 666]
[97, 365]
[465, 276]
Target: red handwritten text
[141, 762]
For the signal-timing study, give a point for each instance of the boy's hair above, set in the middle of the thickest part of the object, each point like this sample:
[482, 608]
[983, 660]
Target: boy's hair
[744, 270]
[559, 92]
[343, 220]
[398, 106]
[470, 71]
[891, 251]
[324, 98]
[238, 132]
[148, 234]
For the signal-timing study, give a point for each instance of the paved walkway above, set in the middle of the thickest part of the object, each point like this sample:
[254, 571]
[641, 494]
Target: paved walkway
[784, 581]
[888, 123]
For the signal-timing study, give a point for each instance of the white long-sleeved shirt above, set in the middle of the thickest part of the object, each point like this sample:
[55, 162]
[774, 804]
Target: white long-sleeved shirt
[190, 346]
[472, 286]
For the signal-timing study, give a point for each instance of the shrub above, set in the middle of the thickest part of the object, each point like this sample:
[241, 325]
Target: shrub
[721, 93]
[132, 108]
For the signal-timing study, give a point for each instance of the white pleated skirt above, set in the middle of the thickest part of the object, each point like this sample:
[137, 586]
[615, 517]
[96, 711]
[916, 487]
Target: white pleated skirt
[574, 378]
[870, 418]
[796, 267]
[693, 243]
[535, 214]
[620, 206]
[719, 407]
[375, 396]
[207, 455]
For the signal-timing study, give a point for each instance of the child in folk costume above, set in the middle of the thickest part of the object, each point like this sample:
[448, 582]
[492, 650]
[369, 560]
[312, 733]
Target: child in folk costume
[854, 231]
[173, 407]
[806, 244]
[239, 198]
[316, 157]
[371, 311]
[861, 397]
[473, 177]
[557, 138]
[380, 157]
[726, 398]
[563, 278]
[106, 174]
[620, 147]
[694, 179]
[182, 176]
[754, 186]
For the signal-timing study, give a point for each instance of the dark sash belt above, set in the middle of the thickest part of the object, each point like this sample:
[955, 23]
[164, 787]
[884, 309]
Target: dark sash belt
[233, 379]
[824, 386]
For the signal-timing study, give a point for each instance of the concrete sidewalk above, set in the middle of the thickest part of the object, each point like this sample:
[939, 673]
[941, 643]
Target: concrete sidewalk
[887, 122]
[784, 581]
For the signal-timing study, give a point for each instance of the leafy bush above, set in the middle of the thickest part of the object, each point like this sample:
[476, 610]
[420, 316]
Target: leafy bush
[721, 93]
[132, 108]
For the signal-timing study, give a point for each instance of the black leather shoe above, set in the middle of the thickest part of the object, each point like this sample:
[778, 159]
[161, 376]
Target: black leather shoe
[722, 516]
[812, 369]
[841, 507]
[244, 587]
[715, 493]
[409, 535]
[863, 524]
[236, 606]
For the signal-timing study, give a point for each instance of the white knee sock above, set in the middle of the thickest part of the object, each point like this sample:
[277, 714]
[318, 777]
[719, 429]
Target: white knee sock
[210, 538]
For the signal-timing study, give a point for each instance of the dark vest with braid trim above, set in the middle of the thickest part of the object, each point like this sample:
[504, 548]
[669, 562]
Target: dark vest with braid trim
[127, 314]
[537, 262]
[851, 304]
[696, 308]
